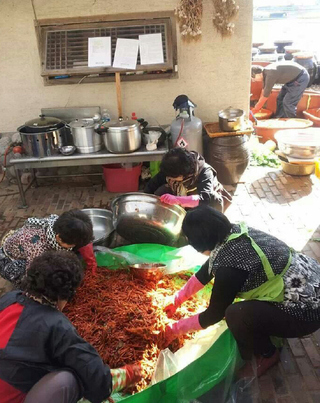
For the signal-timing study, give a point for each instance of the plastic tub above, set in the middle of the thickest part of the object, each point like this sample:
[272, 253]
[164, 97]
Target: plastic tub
[262, 115]
[119, 179]
[266, 129]
[313, 115]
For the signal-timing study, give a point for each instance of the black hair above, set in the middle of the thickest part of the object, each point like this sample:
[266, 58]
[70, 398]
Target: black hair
[54, 275]
[256, 70]
[205, 227]
[178, 161]
[74, 228]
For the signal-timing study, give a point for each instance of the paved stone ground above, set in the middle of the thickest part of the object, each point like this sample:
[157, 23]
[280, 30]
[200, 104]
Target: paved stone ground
[286, 206]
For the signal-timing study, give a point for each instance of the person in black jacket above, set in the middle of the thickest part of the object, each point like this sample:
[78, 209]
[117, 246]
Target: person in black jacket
[42, 357]
[187, 180]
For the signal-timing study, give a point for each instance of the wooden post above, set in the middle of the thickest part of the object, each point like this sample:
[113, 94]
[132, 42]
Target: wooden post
[118, 89]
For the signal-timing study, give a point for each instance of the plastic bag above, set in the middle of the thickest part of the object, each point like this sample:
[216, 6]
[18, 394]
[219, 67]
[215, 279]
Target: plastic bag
[167, 365]
[175, 259]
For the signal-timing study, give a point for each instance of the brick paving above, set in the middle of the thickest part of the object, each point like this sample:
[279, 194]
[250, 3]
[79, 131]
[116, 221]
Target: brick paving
[286, 206]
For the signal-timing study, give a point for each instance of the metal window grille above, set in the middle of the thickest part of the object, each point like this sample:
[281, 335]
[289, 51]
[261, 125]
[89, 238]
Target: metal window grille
[64, 46]
[68, 49]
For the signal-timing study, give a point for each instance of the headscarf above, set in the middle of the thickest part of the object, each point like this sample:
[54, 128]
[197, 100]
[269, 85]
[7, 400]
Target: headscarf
[188, 184]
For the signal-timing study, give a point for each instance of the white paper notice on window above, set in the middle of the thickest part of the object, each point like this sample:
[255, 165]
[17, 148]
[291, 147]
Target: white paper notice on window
[151, 51]
[99, 52]
[126, 54]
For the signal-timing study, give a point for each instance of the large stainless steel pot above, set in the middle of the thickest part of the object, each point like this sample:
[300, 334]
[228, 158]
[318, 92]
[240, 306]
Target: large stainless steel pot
[122, 136]
[43, 136]
[142, 218]
[85, 138]
[231, 120]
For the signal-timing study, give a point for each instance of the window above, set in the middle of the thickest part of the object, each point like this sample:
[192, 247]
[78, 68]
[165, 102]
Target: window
[63, 46]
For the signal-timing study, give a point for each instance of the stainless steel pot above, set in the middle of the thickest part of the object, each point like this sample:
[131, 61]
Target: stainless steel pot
[43, 136]
[122, 136]
[231, 120]
[85, 138]
[142, 218]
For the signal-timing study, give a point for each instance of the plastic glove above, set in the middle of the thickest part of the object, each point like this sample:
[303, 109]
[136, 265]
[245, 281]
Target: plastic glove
[188, 201]
[125, 376]
[181, 327]
[192, 286]
[171, 309]
[134, 374]
[88, 256]
[169, 199]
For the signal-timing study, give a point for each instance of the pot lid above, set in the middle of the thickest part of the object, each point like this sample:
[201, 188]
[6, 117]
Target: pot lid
[43, 122]
[87, 123]
[122, 124]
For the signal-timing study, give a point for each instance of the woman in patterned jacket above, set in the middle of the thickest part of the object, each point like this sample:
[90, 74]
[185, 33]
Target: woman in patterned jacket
[71, 231]
[279, 288]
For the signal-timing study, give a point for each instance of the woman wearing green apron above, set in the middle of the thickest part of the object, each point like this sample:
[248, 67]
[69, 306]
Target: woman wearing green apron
[280, 288]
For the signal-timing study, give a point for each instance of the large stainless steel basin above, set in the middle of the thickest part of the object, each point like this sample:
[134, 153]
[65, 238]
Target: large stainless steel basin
[102, 223]
[142, 218]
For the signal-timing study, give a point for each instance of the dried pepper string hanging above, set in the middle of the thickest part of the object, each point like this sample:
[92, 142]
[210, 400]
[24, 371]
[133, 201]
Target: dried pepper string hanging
[123, 318]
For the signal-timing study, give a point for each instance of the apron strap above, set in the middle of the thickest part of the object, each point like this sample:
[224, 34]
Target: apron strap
[264, 260]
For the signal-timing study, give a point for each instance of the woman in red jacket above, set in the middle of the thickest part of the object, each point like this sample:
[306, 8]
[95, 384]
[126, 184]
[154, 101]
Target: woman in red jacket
[71, 231]
[42, 357]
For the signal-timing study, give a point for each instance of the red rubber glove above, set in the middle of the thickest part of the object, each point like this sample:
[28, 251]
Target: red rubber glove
[188, 201]
[169, 199]
[180, 328]
[88, 256]
[192, 286]
[133, 373]
[183, 201]
[171, 309]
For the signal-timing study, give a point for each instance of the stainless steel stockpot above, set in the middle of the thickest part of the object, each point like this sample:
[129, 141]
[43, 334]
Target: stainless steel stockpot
[85, 137]
[43, 136]
[231, 120]
[122, 136]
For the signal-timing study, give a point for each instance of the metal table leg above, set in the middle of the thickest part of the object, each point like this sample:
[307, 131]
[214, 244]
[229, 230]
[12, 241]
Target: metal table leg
[34, 177]
[21, 191]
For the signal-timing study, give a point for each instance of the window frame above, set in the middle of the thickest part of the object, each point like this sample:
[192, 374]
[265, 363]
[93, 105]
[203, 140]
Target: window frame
[107, 73]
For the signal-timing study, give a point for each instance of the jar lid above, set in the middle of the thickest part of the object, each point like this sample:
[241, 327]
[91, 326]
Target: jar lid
[43, 122]
[87, 123]
[303, 55]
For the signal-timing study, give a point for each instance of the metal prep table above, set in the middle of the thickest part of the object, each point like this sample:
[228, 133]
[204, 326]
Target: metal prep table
[99, 158]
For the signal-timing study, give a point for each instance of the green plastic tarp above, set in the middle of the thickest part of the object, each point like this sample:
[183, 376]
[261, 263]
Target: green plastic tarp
[206, 371]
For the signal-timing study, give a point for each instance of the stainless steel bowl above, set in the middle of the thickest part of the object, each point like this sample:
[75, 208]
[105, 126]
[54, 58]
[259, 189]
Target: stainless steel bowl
[102, 223]
[142, 218]
[299, 143]
[67, 150]
[148, 271]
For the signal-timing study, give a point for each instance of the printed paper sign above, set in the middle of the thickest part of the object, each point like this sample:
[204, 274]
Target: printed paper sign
[99, 52]
[151, 51]
[126, 54]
